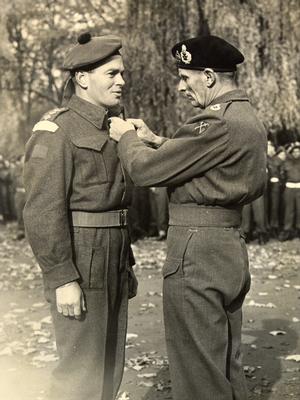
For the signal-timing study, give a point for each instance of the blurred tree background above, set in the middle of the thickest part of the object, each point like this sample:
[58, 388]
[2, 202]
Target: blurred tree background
[34, 34]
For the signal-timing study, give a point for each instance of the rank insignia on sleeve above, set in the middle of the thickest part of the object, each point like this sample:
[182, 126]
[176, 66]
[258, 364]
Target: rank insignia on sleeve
[202, 127]
[216, 107]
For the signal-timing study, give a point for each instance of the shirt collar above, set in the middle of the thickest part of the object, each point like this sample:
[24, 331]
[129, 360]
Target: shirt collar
[233, 95]
[94, 114]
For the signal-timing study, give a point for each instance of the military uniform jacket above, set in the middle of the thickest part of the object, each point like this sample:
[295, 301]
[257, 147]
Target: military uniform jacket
[274, 167]
[71, 164]
[217, 158]
[291, 169]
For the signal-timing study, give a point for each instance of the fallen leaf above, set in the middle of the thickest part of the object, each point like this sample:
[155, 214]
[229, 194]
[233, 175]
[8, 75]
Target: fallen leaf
[123, 396]
[147, 375]
[272, 276]
[252, 303]
[131, 336]
[277, 333]
[294, 357]
[146, 384]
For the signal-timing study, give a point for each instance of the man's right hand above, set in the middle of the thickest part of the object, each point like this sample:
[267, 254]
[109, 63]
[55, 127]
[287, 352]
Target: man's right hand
[69, 300]
[145, 134]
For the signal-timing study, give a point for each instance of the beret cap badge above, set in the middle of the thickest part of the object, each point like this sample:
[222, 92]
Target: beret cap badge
[207, 51]
[184, 56]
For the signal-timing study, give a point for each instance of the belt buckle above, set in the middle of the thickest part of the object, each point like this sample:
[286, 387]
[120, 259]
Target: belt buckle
[123, 218]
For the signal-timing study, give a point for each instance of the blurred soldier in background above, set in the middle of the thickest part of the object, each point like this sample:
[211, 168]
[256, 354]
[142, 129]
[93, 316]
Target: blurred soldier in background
[76, 222]
[5, 181]
[159, 210]
[1, 189]
[291, 172]
[19, 196]
[139, 214]
[254, 221]
[275, 161]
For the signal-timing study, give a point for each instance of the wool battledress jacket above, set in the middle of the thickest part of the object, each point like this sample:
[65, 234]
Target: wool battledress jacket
[217, 158]
[71, 164]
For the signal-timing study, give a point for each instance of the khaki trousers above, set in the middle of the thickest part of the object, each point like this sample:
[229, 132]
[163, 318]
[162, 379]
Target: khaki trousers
[91, 350]
[206, 278]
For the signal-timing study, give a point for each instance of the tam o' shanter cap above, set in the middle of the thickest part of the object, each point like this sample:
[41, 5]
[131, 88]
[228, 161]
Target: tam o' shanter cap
[91, 50]
[207, 52]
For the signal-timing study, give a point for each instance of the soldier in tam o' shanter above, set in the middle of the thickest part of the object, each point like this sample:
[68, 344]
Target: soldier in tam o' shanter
[76, 223]
[212, 165]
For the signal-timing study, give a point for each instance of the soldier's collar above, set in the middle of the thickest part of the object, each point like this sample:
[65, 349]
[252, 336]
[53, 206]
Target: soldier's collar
[233, 95]
[94, 114]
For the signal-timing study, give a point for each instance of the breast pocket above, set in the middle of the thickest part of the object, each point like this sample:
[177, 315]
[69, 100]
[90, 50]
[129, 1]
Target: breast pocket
[89, 160]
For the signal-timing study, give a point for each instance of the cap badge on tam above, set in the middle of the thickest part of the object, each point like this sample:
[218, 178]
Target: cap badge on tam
[184, 55]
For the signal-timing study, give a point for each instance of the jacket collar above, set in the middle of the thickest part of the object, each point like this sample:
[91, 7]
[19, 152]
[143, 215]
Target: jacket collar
[92, 113]
[233, 95]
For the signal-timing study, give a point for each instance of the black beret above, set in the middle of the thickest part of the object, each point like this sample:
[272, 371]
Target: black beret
[207, 52]
[91, 50]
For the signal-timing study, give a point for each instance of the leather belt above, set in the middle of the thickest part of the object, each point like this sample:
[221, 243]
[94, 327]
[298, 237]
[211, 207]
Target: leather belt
[99, 219]
[293, 185]
[181, 215]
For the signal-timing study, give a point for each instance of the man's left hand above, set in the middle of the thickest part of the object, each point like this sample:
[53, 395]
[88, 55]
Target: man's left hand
[117, 128]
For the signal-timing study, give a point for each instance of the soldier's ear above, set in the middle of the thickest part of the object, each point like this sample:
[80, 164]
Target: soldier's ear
[81, 79]
[210, 76]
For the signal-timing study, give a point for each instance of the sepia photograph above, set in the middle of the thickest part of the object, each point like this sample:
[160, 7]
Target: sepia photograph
[150, 200]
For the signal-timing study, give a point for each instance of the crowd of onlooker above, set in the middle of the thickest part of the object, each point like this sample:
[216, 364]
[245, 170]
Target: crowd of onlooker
[12, 192]
[276, 214]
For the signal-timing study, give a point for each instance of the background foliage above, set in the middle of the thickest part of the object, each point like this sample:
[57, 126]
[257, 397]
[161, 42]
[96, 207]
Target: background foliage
[34, 34]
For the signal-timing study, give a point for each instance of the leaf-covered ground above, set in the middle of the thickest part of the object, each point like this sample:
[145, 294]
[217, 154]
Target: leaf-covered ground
[270, 334]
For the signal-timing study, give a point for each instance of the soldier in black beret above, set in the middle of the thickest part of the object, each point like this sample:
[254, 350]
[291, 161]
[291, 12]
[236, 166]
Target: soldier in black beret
[76, 223]
[212, 165]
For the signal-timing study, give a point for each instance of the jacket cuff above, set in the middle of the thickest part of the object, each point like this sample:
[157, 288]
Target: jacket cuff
[128, 134]
[60, 275]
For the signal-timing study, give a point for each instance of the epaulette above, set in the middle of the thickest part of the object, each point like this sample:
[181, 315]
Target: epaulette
[46, 123]
[53, 114]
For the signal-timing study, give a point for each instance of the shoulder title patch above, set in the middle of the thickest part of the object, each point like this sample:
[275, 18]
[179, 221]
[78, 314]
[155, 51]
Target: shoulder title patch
[45, 126]
[39, 151]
